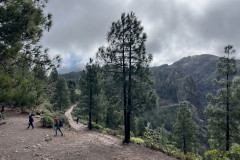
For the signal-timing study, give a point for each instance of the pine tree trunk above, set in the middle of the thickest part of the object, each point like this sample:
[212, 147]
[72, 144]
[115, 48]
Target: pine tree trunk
[107, 120]
[184, 146]
[227, 134]
[127, 139]
[90, 108]
[227, 112]
[129, 106]
[124, 93]
[60, 100]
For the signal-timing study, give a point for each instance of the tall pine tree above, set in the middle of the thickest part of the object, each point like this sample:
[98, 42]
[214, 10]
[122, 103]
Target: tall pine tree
[22, 23]
[185, 130]
[54, 75]
[92, 96]
[60, 97]
[72, 87]
[126, 59]
[220, 111]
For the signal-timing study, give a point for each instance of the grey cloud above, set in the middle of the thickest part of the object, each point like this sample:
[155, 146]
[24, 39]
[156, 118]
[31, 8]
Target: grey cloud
[175, 28]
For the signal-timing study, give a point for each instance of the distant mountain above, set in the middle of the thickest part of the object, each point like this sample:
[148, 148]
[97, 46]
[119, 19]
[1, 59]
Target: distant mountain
[72, 76]
[202, 68]
[193, 74]
[195, 71]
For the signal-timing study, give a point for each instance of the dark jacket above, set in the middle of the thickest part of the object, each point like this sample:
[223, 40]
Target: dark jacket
[31, 119]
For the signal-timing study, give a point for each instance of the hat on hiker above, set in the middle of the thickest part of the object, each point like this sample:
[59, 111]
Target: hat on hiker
[56, 119]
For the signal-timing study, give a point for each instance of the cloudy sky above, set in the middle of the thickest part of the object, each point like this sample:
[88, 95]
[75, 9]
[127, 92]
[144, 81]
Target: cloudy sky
[175, 28]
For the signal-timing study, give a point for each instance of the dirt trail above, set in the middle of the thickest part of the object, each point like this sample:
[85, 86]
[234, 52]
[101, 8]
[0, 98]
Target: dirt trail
[79, 126]
[16, 142]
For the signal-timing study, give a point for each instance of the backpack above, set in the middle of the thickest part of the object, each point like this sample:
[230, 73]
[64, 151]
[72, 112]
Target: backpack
[60, 123]
[31, 119]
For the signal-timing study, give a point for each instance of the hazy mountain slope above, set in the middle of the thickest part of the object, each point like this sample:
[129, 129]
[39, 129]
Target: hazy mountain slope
[72, 76]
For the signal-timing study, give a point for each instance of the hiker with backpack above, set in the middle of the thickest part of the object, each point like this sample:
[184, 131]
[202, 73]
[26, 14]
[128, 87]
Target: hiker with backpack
[77, 120]
[31, 120]
[58, 125]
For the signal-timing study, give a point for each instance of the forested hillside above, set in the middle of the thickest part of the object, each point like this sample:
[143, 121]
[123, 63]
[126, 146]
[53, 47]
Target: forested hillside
[72, 76]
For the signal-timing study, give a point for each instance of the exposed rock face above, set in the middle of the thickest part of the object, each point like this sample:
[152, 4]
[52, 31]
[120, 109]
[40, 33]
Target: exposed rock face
[202, 68]
[190, 77]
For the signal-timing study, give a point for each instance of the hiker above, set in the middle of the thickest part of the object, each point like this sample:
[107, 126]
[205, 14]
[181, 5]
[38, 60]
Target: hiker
[31, 120]
[77, 120]
[0, 116]
[58, 125]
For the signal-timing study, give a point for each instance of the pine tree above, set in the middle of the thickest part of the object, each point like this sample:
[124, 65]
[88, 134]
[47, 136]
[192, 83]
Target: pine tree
[22, 23]
[141, 127]
[126, 59]
[60, 97]
[134, 127]
[235, 122]
[72, 88]
[220, 111]
[111, 89]
[185, 130]
[54, 75]
[92, 96]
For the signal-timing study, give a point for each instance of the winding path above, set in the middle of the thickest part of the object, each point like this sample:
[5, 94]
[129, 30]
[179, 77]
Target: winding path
[79, 126]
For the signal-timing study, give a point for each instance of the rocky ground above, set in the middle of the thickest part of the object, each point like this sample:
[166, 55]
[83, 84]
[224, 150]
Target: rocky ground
[17, 142]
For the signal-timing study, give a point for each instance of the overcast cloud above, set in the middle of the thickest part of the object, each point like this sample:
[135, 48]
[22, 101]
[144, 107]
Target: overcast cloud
[175, 28]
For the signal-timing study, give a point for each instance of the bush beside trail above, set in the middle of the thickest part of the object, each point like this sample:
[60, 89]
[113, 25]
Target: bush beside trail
[47, 119]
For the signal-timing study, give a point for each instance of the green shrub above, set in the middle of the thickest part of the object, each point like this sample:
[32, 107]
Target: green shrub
[171, 151]
[47, 121]
[137, 140]
[119, 136]
[103, 132]
[111, 131]
[49, 107]
[214, 155]
[233, 154]
[46, 112]
[84, 122]
[152, 145]
[96, 126]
